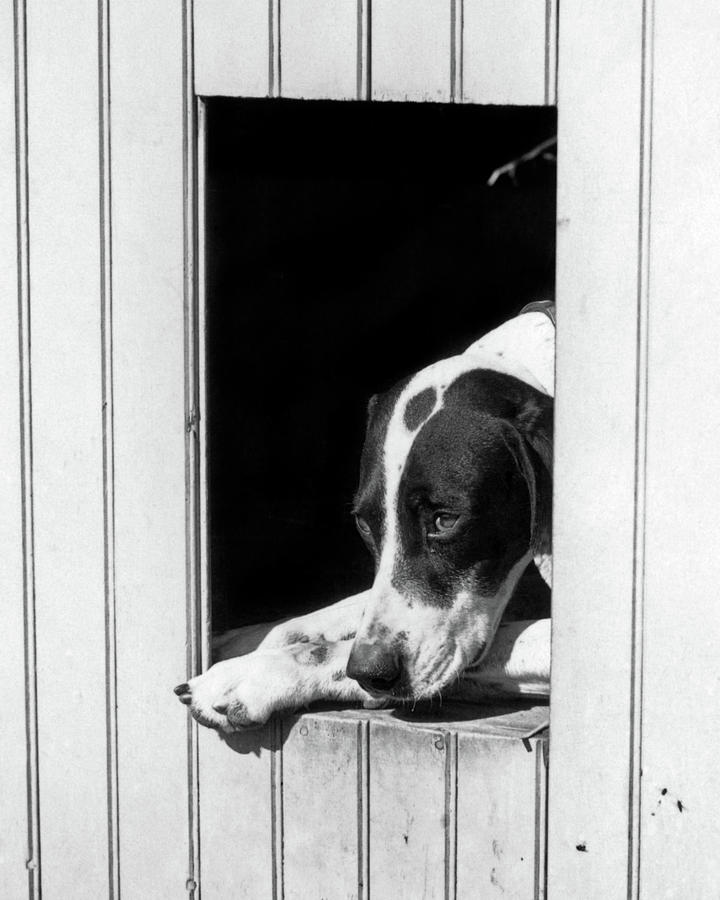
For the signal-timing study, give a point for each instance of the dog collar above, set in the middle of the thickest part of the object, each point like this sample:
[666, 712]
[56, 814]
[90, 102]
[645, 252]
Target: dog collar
[543, 306]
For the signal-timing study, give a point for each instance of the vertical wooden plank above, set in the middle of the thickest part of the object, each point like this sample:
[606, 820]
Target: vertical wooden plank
[411, 43]
[595, 573]
[363, 797]
[232, 45]
[203, 525]
[551, 51]
[64, 235]
[680, 689]
[148, 60]
[364, 48]
[457, 50]
[196, 573]
[319, 49]
[505, 56]
[235, 816]
[18, 832]
[320, 797]
[497, 828]
[541, 817]
[407, 812]
[108, 417]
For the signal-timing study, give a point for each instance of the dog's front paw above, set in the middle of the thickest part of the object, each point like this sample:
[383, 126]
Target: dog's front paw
[241, 693]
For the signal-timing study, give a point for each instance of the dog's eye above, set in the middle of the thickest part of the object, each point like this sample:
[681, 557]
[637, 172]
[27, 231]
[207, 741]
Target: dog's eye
[444, 522]
[362, 526]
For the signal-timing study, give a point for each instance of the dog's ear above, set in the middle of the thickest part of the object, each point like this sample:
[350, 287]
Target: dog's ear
[533, 423]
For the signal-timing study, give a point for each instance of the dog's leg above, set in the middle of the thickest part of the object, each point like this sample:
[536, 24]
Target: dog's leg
[243, 692]
[337, 622]
[517, 664]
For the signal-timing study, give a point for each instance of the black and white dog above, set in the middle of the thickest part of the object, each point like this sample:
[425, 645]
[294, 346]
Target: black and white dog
[454, 502]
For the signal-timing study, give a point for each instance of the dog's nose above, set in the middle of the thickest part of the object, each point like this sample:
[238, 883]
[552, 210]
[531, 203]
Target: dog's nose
[374, 666]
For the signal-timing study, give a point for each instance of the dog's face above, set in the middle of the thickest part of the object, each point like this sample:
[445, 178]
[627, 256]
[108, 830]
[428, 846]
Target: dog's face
[453, 502]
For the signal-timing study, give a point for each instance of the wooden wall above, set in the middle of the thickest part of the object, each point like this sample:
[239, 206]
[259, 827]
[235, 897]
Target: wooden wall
[476, 51]
[103, 576]
[97, 778]
[358, 804]
[635, 614]
[101, 469]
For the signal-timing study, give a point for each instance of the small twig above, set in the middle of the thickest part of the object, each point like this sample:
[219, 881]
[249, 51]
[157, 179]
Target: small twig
[510, 169]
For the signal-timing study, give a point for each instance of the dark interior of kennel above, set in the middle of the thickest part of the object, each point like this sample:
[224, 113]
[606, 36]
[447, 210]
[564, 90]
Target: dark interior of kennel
[348, 245]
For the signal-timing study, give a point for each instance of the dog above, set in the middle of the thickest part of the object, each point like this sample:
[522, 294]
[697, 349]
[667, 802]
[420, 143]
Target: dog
[454, 505]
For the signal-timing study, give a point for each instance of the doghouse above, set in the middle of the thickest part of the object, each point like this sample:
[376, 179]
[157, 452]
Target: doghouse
[108, 790]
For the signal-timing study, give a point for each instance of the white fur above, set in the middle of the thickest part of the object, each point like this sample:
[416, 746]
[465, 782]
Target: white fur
[268, 680]
[527, 343]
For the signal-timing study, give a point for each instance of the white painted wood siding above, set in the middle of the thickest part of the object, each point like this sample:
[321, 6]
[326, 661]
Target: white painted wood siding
[509, 51]
[152, 298]
[594, 577]
[103, 466]
[99, 780]
[67, 461]
[19, 821]
[477, 51]
[680, 692]
[634, 772]
[99, 464]
[362, 804]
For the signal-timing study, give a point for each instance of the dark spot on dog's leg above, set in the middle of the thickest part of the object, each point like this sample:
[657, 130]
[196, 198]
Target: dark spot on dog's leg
[319, 654]
[680, 805]
[663, 791]
[339, 675]
[297, 637]
[400, 641]
[581, 847]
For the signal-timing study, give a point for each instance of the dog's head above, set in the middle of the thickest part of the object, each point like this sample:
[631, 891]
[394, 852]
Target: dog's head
[453, 502]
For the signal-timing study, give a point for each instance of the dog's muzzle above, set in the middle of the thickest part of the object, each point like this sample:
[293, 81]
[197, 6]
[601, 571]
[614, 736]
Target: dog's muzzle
[376, 667]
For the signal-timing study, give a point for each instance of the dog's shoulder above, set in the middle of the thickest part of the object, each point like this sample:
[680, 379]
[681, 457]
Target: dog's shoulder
[526, 343]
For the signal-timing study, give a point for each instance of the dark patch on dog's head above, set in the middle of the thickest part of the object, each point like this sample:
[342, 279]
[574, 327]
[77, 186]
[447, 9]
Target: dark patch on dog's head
[419, 408]
[485, 457]
[482, 462]
[529, 415]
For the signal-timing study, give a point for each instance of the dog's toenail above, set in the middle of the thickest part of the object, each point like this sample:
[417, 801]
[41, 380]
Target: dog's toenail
[182, 689]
